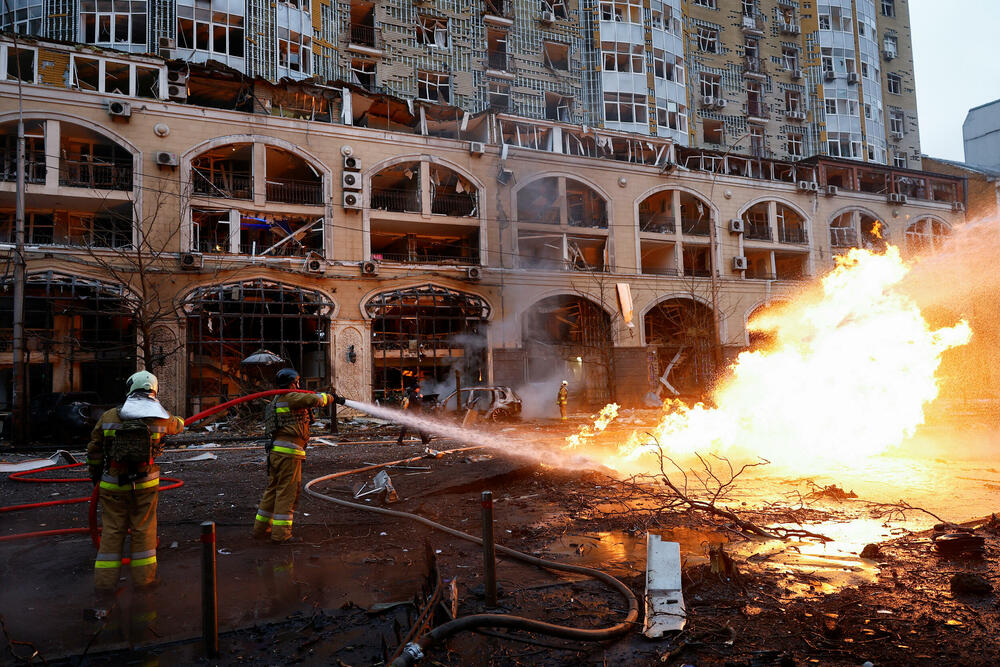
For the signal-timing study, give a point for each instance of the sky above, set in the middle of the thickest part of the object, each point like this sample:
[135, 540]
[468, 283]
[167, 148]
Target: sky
[955, 52]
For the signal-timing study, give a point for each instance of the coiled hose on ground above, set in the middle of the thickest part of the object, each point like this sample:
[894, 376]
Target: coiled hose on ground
[415, 650]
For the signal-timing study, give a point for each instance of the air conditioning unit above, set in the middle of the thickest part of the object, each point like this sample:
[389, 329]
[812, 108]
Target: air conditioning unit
[176, 75]
[167, 43]
[474, 273]
[120, 109]
[791, 28]
[369, 268]
[477, 147]
[721, 103]
[889, 55]
[957, 206]
[829, 75]
[707, 101]
[313, 265]
[897, 198]
[739, 263]
[796, 115]
[808, 186]
[547, 17]
[832, 190]
[351, 180]
[177, 91]
[352, 162]
[504, 176]
[897, 135]
[352, 200]
[813, 186]
[852, 77]
[192, 261]
[736, 226]
[796, 74]
[165, 159]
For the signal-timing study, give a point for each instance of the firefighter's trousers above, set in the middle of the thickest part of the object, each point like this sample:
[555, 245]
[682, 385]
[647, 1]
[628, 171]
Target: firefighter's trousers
[120, 511]
[277, 506]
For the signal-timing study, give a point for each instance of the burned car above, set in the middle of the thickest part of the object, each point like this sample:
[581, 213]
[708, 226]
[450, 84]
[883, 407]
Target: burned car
[493, 404]
[69, 415]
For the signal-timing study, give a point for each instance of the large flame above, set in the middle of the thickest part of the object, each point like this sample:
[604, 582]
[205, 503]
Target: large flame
[849, 374]
[604, 418]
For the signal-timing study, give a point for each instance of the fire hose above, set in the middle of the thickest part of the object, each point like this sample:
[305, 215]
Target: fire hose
[415, 650]
[93, 528]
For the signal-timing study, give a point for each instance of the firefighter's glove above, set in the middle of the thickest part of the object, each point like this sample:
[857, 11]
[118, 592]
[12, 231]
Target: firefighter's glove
[95, 474]
[339, 400]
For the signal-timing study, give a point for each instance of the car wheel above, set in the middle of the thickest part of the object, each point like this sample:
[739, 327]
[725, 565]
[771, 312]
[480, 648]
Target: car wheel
[499, 415]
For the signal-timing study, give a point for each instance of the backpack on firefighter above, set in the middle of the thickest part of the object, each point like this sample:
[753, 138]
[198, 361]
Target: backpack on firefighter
[277, 415]
[131, 447]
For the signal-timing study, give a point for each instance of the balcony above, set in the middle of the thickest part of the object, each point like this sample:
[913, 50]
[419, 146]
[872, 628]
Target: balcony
[660, 271]
[421, 258]
[793, 235]
[365, 36]
[757, 111]
[498, 8]
[754, 68]
[697, 273]
[295, 192]
[399, 201]
[222, 184]
[498, 61]
[97, 175]
[756, 231]
[696, 226]
[843, 237]
[753, 274]
[34, 169]
[656, 224]
[456, 205]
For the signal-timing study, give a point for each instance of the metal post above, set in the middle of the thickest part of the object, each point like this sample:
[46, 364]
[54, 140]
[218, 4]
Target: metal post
[489, 551]
[333, 418]
[18, 397]
[458, 390]
[209, 598]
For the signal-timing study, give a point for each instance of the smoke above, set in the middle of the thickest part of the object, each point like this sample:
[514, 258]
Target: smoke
[538, 399]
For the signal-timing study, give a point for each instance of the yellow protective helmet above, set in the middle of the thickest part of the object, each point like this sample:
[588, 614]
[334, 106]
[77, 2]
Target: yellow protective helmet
[141, 381]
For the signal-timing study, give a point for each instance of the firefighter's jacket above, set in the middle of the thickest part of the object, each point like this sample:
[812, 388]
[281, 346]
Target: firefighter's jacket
[563, 396]
[148, 473]
[291, 415]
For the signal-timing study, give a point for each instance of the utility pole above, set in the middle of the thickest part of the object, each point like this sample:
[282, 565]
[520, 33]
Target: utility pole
[18, 397]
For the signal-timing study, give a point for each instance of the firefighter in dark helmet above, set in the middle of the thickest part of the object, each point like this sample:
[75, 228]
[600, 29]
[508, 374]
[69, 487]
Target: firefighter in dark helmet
[120, 457]
[286, 421]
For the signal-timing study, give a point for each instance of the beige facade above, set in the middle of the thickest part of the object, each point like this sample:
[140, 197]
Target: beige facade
[498, 260]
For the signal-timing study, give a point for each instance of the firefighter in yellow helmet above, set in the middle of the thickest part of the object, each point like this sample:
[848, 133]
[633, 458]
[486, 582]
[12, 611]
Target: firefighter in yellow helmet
[562, 399]
[120, 457]
[286, 420]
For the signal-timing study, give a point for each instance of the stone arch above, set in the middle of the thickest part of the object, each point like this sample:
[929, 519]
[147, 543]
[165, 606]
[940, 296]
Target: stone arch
[862, 229]
[276, 142]
[926, 234]
[682, 330]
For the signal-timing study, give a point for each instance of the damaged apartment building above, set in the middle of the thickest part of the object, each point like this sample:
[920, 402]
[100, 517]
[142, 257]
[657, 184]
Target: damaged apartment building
[212, 223]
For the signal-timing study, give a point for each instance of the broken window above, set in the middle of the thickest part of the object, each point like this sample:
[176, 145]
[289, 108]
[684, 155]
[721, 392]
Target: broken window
[656, 213]
[91, 160]
[433, 244]
[708, 39]
[496, 50]
[425, 334]
[499, 92]
[894, 84]
[888, 8]
[224, 172]
[627, 11]
[899, 159]
[21, 63]
[397, 188]
[451, 193]
[711, 4]
[623, 57]
[79, 333]
[34, 152]
[757, 222]
[794, 144]
[896, 122]
[711, 85]
[556, 55]
[671, 115]
[116, 78]
[658, 258]
[696, 216]
[363, 73]
[791, 266]
[663, 65]
[362, 31]
[556, 7]
[791, 225]
[290, 179]
[889, 46]
[228, 323]
[793, 100]
[558, 107]
[790, 57]
[433, 31]
[926, 236]
[216, 29]
[625, 108]
[117, 23]
[561, 201]
[697, 261]
[433, 87]
[23, 17]
[294, 50]
[713, 131]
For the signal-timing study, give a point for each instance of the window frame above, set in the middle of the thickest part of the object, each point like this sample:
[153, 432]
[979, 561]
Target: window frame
[5, 62]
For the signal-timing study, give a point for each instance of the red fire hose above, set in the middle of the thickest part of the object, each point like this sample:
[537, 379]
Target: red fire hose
[93, 528]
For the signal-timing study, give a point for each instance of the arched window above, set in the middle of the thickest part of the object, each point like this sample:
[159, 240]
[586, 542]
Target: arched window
[683, 333]
[757, 222]
[562, 225]
[791, 226]
[557, 200]
[844, 231]
[926, 236]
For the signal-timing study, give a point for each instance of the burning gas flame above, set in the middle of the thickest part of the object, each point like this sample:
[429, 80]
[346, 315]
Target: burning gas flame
[877, 230]
[605, 417]
[849, 374]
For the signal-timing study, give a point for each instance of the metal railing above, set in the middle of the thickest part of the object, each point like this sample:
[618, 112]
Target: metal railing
[419, 258]
[295, 192]
[753, 65]
[455, 205]
[498, 61]
[843, 237]
[757, 109]
[218, 184]
[697, 273]
[400, 201]
[696, 226]
[34, 169]
[751, 274]
[97, 175]
[600, 221]
[364, 35]
[656, 223]
[660, 271]
[757, 231]
[287, 249]
[792, 274]
[499, 8]
[792, 235]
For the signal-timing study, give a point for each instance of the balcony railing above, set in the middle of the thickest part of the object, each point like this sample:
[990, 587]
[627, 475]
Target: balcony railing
[793, 274]
[500, 104]
[499, 8]
[843, 237]
[420, 258]
[295, 192]
[456, 205]
[757, 231]
[598, 221]
[34, 169]
[696, 226]
[660, 271]
[97, 175]
[697, 273]
[400, 201]
[289, 249]
[656, 224]
[219, 184]
[757, 109]
[498, 61]
[364, 35]
[759, 275]
[754, 66]
[793, 235]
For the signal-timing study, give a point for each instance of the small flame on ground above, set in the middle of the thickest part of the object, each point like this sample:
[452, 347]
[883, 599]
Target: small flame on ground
[607, 415]
[848, 375]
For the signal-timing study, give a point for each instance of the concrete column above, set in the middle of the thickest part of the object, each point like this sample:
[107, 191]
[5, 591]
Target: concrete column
[425, 188]
[53, 152]
[259, 168]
